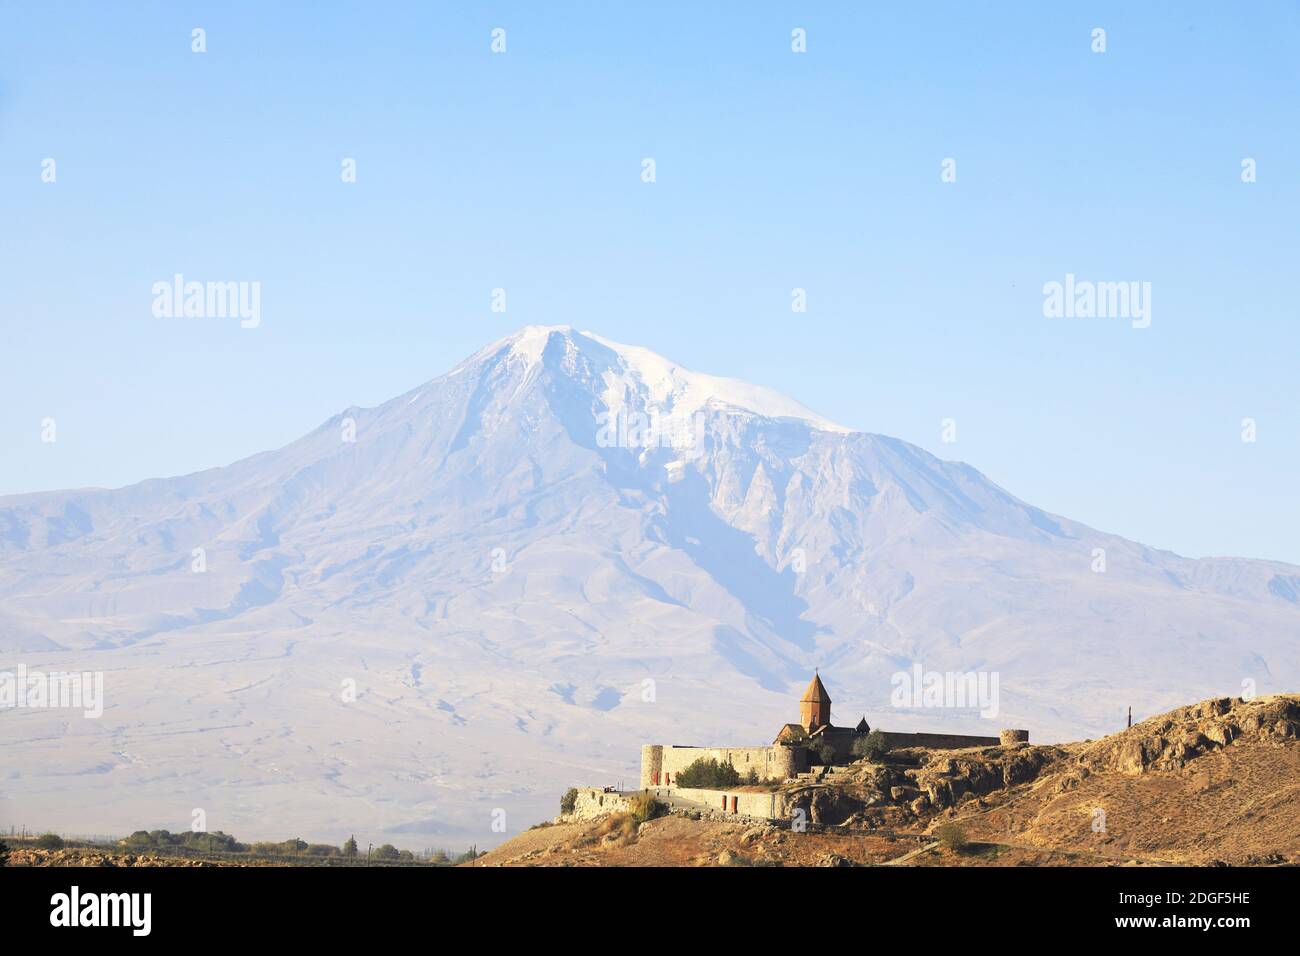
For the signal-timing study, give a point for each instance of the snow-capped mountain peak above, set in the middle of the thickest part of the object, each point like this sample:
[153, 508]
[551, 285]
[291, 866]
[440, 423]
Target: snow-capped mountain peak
[499, 588]
[635, 379]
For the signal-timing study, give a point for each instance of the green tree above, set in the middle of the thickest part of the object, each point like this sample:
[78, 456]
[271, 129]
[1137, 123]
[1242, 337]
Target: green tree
[569, 800]
[4, 853]
[350, 847]
[952, 836]
[49, 841]
[708, 774]
[873, 746]
[386, 852]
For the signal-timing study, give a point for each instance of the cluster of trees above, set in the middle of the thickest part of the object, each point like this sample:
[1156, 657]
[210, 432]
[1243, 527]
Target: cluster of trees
[446, 858]
[223, 842]
[216, 840]
[709, 774]
[188, 839]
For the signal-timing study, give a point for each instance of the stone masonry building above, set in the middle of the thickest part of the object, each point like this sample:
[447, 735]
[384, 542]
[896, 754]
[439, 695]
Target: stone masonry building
[798, 746]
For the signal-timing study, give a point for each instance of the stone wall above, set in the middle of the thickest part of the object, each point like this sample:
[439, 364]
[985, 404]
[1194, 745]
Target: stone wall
[741, 803]
[938, 741]
[593, 803]
[660, 763]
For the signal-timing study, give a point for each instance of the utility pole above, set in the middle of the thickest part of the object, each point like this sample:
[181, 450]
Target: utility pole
[1130, 715]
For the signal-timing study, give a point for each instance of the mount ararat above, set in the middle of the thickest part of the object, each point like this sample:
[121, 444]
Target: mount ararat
[470, 597]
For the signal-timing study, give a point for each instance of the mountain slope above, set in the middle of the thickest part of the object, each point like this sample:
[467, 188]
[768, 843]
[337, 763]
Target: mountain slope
[1208, 784]
[526, 566]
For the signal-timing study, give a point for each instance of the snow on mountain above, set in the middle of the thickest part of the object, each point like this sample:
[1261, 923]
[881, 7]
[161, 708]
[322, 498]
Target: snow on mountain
[526, 567]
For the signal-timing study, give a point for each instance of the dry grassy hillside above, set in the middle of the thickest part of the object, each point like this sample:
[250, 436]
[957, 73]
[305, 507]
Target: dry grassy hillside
[1216, 782]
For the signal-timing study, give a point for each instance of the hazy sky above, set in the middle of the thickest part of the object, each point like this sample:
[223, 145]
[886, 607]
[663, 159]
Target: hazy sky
[774, 170]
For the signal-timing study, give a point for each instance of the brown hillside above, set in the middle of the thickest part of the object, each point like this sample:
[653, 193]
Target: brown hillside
[1218, 781]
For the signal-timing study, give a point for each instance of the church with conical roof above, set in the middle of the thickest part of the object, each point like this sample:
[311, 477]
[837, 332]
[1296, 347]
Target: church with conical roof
[792, 752]
[815, 727]
[799, 747]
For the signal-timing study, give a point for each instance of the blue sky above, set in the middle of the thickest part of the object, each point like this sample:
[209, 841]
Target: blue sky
[775, 170]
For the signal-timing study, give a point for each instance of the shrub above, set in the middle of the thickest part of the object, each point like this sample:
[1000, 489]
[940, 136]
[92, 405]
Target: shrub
[216, 840]
[49, 841]
[645, 807]
[292, 847]
[569, 800]
[751, 778]
[708, 774]
[4, 853]
[952, 836]
[873, 746]
[825, 753]
[621, 824]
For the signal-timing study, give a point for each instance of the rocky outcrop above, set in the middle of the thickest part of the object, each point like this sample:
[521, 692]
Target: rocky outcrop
[915, 782]
[831, 805]
[1170, 741]
[951, 780]
[85, 857]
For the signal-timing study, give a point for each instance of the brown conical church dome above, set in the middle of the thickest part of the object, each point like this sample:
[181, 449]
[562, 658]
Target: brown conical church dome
[816, 692]
[815, 705]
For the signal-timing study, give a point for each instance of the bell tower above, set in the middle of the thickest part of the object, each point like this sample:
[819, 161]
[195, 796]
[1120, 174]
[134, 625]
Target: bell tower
[815, 705]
